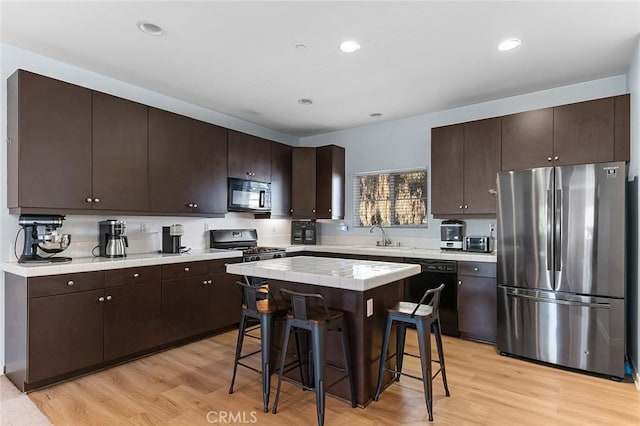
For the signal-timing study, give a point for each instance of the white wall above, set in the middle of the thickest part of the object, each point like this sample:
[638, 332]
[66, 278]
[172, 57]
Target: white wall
[406, 143]
[633, 295]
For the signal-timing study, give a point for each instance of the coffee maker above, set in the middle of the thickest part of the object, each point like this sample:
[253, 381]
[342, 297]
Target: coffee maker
[452, 234]
[40, 234]
[171, 236]
[112, 241]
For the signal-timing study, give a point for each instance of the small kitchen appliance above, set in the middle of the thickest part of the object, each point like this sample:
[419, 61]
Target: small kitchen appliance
[452, 234]
[112, 241]
[171, 239]
[303, 232]
[248, 196]
[478, 244]
[40, 234]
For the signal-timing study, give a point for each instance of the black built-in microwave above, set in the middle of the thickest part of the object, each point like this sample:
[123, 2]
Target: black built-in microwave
[248, 196]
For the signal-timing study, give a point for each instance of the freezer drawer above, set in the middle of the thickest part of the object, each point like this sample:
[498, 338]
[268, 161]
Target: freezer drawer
[581, 332]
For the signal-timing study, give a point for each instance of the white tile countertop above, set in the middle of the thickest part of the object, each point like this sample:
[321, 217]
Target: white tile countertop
[411, 252]
[87, 264]
[350, 274]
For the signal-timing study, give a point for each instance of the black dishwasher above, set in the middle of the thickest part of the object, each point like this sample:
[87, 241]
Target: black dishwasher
[434, 273]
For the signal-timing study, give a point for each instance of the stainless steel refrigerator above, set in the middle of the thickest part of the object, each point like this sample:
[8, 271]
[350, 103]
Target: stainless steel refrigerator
[561, 266]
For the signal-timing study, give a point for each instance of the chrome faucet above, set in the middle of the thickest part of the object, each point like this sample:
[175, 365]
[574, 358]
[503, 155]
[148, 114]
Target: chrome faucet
[385, 240]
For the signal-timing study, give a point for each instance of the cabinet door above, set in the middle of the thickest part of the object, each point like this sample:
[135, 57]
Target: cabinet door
[120, 167]
[169, 162]
[583, 132]
[226, 301]
[280, 180]
[303, 183]
[65, 333]
[622, 128]
[330, 182]
[249, 157]
[447, 145]
[132, 319]
[185, 306]
[54, 143]
[477, 307]
[481, 165]
[527, 140]
[209, 168]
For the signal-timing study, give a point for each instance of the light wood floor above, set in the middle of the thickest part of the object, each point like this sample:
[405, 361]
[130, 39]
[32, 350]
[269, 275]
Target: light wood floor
[184, 385]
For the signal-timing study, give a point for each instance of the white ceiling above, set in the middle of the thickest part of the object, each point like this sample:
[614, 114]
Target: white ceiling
[239, 58]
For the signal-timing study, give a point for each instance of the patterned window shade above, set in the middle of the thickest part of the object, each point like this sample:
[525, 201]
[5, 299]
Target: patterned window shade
[390, 198]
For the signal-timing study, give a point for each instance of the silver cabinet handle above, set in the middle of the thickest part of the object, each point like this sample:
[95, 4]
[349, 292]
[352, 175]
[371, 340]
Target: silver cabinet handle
[556, 158]
[329, 210]
[195, 205]
[190, 205]
[186, 269]
[549, 158]
[459, 282]
[109, 297]
[70, 283]
[466, 206]
[96, 200]
[291, 210]
[100, 299]
[210, 282]
[313, 211]
[89, 200]
[136, 275]
[475, 269]
[460, 206]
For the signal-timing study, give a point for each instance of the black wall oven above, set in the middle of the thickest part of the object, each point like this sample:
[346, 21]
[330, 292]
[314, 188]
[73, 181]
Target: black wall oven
[434, 273]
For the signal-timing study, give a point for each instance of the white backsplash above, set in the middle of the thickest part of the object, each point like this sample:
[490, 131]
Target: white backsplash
[145, 232]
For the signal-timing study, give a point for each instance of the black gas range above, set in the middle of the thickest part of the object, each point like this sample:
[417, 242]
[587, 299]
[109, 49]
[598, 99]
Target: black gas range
[245, 240]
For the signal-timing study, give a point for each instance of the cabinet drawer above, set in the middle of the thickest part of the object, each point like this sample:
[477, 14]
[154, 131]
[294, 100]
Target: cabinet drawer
[66, 283]
[479, 269]
[184, 270]
[125, 276]
[218, 266]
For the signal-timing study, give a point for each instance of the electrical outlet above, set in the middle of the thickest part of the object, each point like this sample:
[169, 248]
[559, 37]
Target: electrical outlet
[206, 227]
[369, 307]
[144, 228]
[492, 227]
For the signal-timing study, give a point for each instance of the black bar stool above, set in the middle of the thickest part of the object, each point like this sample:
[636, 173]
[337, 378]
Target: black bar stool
[259, 304]
[309, 312]
[425, 317]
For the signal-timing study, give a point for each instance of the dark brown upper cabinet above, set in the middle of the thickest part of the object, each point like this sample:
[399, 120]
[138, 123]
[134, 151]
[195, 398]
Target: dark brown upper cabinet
[583, 132]
[249, 157]
[318, 181]
[527, 139]
[120, 167]
[187, 165]
[280, 180]
[49, 144]
[465, 159]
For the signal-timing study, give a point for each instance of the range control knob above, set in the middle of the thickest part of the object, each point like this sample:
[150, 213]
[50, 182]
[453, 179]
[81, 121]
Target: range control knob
[277, 255]
[254, 258]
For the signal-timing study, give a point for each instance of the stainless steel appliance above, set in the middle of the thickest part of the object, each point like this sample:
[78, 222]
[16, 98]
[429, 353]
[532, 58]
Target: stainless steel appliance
[245, 240]
[248, 196]
[112, 241]
[433, 273]
[561, 266]
[41, 235]
[303, 232]
[451, 234]
[478, 244]
[172, 239]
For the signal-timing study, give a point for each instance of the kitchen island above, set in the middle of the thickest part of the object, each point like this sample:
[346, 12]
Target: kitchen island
[362, 289]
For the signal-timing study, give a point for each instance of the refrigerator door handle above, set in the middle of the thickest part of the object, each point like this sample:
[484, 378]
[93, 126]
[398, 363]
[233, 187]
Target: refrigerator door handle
[561, 302]
[549, 225]
[558, 232]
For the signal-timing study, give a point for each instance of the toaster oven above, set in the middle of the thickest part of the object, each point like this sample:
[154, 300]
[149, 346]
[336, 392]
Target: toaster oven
[478, 244]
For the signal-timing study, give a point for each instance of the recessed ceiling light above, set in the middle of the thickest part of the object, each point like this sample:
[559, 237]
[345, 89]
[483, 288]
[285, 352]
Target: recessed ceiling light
[305, 101]
[149, 28]
[349, 46]
[375, 114]
[509, 44]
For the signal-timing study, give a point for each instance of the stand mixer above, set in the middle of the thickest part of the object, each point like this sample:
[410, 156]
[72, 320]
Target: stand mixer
[40, 234]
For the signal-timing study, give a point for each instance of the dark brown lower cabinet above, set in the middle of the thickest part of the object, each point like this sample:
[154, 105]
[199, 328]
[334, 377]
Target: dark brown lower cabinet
[65, 333]
[477, 301]
[132, 319]
[185, 306]
[227, 301]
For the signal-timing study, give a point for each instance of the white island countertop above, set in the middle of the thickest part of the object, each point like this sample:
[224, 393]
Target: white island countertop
[88, 264]
[348, 274]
